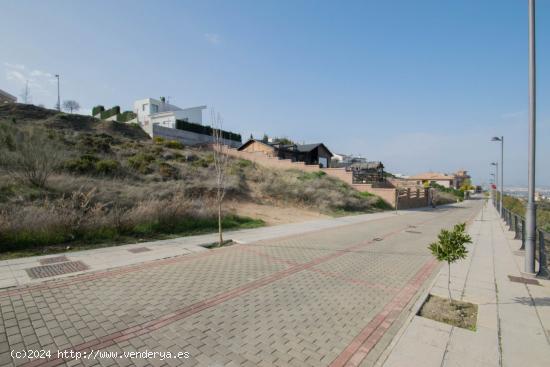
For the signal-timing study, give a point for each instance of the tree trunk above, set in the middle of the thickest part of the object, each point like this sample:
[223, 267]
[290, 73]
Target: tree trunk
[220, 222]
[449, 283]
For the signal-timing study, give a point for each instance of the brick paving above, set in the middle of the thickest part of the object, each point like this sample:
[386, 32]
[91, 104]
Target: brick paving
[321, 298]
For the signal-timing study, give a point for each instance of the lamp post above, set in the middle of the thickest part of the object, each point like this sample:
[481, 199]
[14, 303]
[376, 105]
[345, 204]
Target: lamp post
[58, 97]
[530, 212]
[496, 181]
[501, 139]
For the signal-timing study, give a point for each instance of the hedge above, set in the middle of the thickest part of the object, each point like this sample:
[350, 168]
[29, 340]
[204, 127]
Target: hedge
[125, 116]
[97, 109]
[205, 130]
[110, 112]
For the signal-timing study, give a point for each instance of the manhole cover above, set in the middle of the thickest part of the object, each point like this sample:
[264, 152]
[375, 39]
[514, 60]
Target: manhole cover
[56, 269]
[523, 280]
[137, 250]
[377, 239]
[415, 232]
[53, 260]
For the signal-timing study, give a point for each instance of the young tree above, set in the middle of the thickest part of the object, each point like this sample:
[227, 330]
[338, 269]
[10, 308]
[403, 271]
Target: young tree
[221, 159]
[71, 105]
[30, 156]
[451, 247]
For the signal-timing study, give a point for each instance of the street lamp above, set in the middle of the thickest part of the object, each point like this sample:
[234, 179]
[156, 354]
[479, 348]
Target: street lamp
[501, 139]
[58, 97]
[496, 180]
[531, 209]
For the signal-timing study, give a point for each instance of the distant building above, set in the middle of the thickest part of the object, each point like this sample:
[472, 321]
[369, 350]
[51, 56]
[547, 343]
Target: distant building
[152, 111]
[345, 160]
[5, 97]
[442, 179]
[460, 177]
[308, 153]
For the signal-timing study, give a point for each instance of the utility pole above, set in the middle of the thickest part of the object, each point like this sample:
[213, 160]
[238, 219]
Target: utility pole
[501, 139]
[495, 202]
[531, 209]
[58, 97]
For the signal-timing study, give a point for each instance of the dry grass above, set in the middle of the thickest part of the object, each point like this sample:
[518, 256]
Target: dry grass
[458, 313]
[114, 183]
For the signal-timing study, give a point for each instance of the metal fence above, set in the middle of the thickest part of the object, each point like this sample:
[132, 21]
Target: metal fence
[516, 224]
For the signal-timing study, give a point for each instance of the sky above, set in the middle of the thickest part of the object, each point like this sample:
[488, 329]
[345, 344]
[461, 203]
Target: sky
[419, 85]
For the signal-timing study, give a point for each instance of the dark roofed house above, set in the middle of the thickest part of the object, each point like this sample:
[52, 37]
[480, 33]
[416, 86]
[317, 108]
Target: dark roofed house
[307, 153]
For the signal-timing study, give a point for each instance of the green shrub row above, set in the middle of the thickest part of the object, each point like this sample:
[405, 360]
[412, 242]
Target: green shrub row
[126, 116]
[205, 130]
[97, 109]
[110, 112]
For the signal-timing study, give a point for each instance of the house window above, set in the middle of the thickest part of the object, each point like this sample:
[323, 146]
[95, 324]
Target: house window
[145, 106]
[154, 108]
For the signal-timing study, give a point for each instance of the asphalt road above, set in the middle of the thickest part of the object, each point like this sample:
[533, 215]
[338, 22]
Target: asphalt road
[333, 296]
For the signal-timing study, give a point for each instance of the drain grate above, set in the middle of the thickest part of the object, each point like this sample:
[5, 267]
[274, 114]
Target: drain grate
[523, 280]
[56, 269]
[137, 250]
[415, 232]
[53, 260]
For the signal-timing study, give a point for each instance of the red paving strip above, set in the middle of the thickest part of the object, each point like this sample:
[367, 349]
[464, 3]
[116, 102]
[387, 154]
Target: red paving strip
[371, 334]
[182, 313]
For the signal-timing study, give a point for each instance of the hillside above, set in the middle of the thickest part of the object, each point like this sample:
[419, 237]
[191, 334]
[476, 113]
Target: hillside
[108, 182]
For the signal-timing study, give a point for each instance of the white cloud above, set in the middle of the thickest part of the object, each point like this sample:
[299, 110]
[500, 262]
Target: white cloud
[16, 75]
[212, 38]
[37, 79]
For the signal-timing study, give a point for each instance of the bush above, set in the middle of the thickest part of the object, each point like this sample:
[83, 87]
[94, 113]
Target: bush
[158, 140]
[126, 116]
[110, 112]
[107, 166]
[30, 156]
[174, 144]
[97, 109]
[84, 164]
[141, 161]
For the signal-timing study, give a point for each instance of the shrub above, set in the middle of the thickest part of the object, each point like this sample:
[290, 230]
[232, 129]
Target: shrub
[97, 109]
[141, 161]
[174, 144]
[159, 140]
[204, 161]
[126, 116]
[110, 112]
[107, 166]
[30, 156]
[85, 164]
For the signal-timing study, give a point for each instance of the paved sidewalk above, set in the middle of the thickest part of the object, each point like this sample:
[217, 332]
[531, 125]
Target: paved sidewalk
[14, 272]
[513, 326]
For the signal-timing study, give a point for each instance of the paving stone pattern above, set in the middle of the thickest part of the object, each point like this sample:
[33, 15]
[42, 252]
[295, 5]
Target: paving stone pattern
[294, 301]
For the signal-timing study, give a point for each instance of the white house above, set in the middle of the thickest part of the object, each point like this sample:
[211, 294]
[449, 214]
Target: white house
[152, 111]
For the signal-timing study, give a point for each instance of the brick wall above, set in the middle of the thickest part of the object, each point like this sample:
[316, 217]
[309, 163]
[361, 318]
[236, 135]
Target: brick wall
[410, 198]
